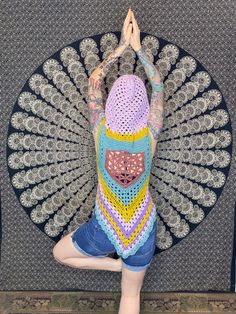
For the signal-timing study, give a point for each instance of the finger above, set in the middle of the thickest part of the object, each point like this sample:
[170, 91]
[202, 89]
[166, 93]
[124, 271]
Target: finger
[127, 19]
[128, 15]
[135, 24]
[129, 31]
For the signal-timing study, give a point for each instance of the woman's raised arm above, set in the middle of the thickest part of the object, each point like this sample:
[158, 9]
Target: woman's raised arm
[94, 85]
[155, 119]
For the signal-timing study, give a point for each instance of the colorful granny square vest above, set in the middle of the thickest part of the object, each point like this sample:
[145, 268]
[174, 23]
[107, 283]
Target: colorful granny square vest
[124, 207]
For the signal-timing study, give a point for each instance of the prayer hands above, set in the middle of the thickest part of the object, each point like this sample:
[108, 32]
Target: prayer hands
[130, 32]
[126, 31]
[130, 35]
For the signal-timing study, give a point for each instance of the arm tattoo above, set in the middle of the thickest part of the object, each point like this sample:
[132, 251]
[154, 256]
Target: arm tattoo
[96, 112]
[108, 62]
[111, 59]
[155, 118]
[151, 71]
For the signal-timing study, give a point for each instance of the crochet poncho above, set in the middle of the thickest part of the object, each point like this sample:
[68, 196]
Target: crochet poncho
[124, 206]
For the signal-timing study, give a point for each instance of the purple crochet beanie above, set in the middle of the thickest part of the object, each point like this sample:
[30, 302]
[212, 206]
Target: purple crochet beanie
[127, 106]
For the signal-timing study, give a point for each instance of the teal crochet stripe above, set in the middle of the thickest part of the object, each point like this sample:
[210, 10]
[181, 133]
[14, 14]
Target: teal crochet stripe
[113, 240]
[140, 145]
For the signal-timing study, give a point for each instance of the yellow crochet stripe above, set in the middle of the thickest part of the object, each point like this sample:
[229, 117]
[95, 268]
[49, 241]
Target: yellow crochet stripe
[126, 241]
[116, 203]
[123, 210]
[111, 196]
[124, 137]
[127, 137]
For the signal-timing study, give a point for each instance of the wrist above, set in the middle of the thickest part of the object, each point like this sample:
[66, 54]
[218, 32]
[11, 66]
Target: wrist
[120, 49]
[158, 87]
[136, 49]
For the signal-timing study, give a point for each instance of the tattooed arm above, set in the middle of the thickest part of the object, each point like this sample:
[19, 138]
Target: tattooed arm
[96, 106]
[94, 86]
[151, 71]
[155, 119]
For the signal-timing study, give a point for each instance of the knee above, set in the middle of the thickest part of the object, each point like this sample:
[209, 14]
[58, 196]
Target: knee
[131, 282]
[57, 254]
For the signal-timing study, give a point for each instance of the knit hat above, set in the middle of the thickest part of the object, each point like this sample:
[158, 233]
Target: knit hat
[127, 106]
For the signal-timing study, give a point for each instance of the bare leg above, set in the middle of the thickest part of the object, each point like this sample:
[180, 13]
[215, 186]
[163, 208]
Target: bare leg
[65, 253]
[131, 284]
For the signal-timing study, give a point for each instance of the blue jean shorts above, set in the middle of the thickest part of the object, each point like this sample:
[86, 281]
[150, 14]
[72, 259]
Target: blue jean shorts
[91, 240]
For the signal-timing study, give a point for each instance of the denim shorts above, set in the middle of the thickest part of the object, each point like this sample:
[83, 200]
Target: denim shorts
[91, 240]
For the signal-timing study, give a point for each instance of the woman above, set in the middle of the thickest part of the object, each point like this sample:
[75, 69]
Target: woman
[124, 216]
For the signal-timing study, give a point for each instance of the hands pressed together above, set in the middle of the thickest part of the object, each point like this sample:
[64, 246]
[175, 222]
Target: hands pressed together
[130, 34]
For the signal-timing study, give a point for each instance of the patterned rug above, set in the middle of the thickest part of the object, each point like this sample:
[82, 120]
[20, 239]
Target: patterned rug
[108, 302]
[48, 166]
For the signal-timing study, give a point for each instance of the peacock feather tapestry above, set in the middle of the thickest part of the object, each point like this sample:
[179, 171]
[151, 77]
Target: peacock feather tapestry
[49, 178]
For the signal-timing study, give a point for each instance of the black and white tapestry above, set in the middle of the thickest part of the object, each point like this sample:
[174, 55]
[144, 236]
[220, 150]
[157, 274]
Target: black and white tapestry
[48, 165]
